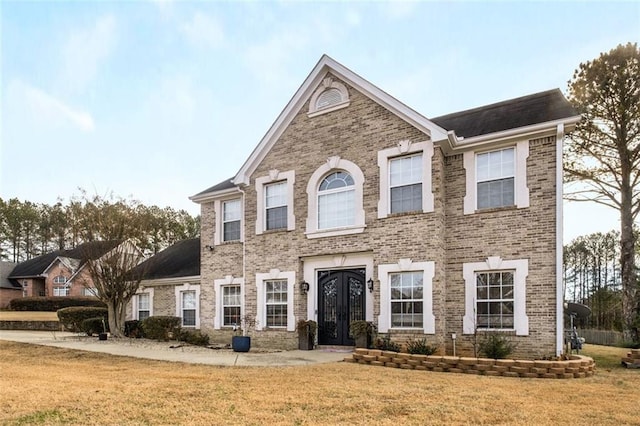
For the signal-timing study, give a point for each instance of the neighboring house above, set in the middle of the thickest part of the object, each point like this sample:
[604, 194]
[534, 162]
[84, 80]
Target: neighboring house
[170, 284]
[355, 206]
[62, 272]
[8, 289]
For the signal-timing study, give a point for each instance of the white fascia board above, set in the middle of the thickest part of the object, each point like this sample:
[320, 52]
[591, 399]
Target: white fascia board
[325, 65]
[193, 279]
[213, 195]
[452, 144]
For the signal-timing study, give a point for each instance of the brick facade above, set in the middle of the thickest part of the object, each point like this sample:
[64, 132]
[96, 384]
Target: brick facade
[446, 236]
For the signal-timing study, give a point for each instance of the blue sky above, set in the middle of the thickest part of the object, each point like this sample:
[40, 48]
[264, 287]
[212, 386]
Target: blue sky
[162, 99]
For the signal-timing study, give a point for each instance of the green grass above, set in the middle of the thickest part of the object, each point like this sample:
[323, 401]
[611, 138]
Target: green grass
[606, 357]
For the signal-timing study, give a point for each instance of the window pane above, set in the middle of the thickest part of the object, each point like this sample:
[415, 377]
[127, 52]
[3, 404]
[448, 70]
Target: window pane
[277, 218]
[336, 209]
[188, 299]
[498, 193]
[336, 180]
[232, 210]
[143, 302]
[276, 194]
[231, 231]
[494, 303]
[406, 299]
[405, 170]
[406, 198]
[142, 315]
[231, 315]
[189, 317]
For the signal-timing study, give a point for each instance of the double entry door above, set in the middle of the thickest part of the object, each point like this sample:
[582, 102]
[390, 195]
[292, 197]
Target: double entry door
[341, 299]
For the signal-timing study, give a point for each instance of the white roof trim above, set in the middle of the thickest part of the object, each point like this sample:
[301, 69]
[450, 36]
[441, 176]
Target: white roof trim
[213, 195]
[455, 144]
[325, 65]
[170, 281]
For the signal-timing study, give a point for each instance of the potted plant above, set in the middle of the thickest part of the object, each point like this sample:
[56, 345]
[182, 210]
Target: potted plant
[363, 332]
[306, 334]
[241, 342]
[103, 335]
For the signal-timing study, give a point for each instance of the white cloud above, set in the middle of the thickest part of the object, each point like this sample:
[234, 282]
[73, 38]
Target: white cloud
[399, 9]
[204, 31]
[46, 107]
[85, 51]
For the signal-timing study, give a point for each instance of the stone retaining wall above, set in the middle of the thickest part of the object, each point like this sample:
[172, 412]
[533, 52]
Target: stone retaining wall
[31, 325]
[632, 360]
[577, 367]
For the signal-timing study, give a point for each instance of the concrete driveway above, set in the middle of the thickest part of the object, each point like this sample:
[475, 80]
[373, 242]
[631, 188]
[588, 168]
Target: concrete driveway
[174, 351]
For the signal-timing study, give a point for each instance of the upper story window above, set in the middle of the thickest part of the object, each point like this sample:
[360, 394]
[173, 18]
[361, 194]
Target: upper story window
[495, 174]
[405, 178]
[60, 279]
[274, 197]
[336, 201]
[231, 220]
[496, 178]
[275, 202]
[405, 183]
[331, 95]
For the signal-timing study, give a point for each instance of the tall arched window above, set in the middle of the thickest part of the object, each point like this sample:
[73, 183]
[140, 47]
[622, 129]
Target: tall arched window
[336, 201]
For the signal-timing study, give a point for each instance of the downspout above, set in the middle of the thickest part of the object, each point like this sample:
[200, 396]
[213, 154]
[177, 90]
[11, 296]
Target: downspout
[559, 241]
[244, 253]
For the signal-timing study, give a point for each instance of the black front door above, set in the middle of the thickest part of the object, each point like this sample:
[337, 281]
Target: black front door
[340, 301]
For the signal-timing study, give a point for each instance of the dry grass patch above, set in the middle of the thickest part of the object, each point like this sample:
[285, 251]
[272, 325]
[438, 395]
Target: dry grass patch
[28, 316]
[46, 385]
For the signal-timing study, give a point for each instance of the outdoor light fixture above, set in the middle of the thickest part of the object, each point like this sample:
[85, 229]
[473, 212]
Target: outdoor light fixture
[304, 287]
[370, 285]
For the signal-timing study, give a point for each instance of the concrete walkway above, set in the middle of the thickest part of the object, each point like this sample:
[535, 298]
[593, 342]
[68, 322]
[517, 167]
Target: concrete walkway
[163, 351]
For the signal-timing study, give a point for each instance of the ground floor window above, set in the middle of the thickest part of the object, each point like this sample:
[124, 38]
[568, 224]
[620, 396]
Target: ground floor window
[90, 291]
[494, 300]
[143, 306]
[406, 299]
[189, 308]
[231, 305]
[276, 303]
[61, 291]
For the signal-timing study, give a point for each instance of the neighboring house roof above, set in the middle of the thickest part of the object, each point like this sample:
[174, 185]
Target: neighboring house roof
[180, 260]
[38, 265]
[5, 270]
[527, 110]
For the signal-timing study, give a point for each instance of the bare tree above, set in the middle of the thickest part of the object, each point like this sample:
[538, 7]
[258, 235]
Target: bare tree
[604, 154]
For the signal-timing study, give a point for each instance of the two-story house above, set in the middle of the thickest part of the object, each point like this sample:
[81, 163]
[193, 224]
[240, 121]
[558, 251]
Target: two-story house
[355, 206]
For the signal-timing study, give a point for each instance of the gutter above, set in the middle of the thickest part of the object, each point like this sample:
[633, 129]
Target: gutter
[559, 240]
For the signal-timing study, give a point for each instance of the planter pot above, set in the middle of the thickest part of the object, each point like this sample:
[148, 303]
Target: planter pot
[305, 342]
[363, 341]
[241, 343]
[102, 336]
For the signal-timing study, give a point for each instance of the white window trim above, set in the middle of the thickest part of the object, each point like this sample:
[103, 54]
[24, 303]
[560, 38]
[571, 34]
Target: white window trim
[217, 285]
[178, 294]
[406, 265]
[328, 83]
[405, 147]
[495, 263]
[521, 195]
[150, 292]
[272, 275]
[261, 183]
[218, 206]
[334, 163]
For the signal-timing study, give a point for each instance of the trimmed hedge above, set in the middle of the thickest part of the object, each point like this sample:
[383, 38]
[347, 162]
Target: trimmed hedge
[52, 304]
[193, 337]
[161, 327]
[95, 325]
[71, 318]
[133, 329]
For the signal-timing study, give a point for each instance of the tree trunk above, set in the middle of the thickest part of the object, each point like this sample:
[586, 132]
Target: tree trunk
[627, 263]
[114, 320]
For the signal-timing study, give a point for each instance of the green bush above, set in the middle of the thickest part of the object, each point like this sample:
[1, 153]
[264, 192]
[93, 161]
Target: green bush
[386, 344]
[419, 346]
[193, 337]
[71, 318]
[95, 325]
[630, 345]
[161, 327]
[496, 346]
[133, 329]
[52, 304]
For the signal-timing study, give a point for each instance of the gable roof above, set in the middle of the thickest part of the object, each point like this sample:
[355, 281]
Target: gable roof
[541, 107]
[38, 265]
[5, 270]
[224, 185]
[179, 260]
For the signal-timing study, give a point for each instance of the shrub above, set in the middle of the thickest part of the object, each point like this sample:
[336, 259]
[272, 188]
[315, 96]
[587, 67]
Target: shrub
[304, 327]
[161, 327]
[95, 325]
[133, 328]
[52, 304]
[496, 346]
[419, 346]
[193, 337]
[630, 345]
[71, 318]
[384, 343]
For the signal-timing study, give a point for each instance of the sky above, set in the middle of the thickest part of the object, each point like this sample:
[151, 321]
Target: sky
[159, 100]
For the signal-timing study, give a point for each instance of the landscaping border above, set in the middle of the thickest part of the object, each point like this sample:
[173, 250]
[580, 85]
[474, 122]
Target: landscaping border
[575, 368]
